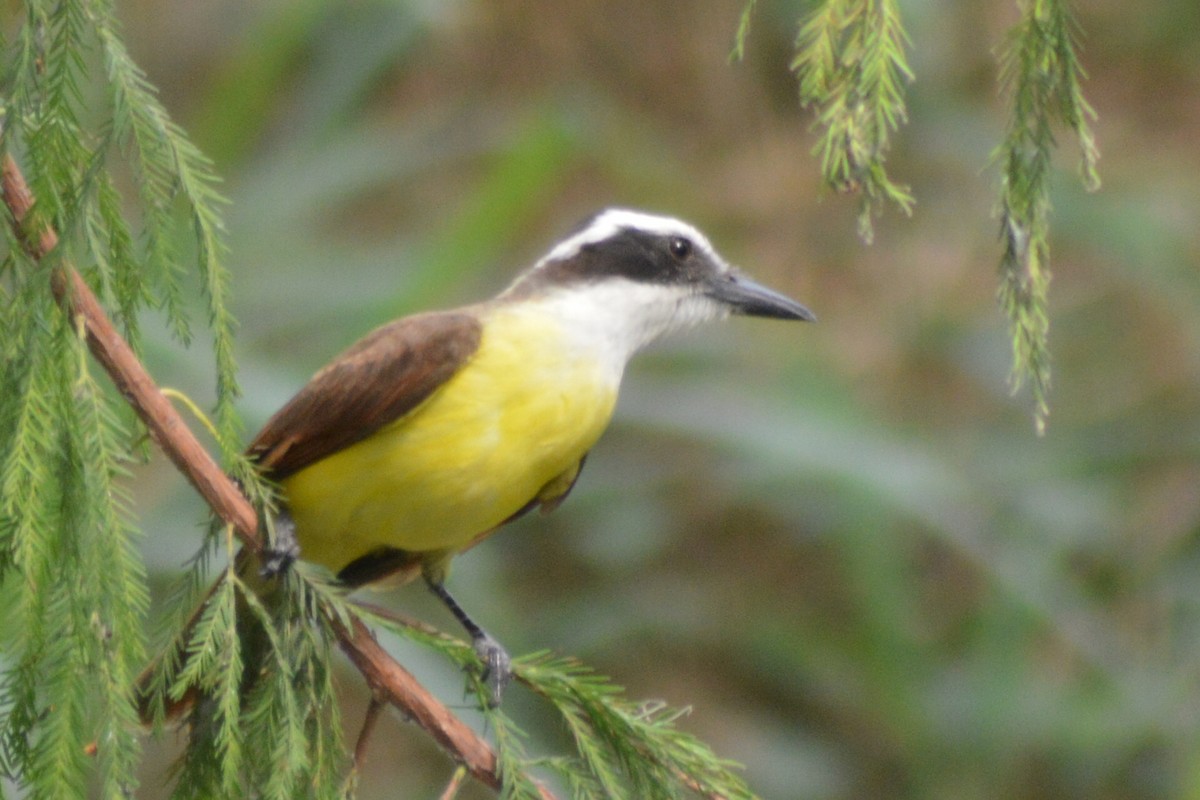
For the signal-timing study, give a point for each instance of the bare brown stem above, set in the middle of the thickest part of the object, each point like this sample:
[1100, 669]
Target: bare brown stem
[364, 733]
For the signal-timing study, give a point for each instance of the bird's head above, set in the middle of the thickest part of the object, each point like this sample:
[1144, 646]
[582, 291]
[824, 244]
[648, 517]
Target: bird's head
[633, 276]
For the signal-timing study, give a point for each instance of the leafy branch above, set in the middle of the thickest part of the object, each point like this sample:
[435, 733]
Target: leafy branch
[1041, 73]
[75, 109]
[851, 68]
[622, 748]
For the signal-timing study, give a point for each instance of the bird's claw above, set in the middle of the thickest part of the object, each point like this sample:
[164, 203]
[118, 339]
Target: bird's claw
[283, 549]
[497, 666]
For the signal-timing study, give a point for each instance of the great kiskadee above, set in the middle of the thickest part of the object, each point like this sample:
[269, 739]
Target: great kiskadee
[436, 429]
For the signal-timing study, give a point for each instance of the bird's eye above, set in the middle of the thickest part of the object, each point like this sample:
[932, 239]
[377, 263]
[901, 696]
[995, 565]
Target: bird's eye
[681, 248]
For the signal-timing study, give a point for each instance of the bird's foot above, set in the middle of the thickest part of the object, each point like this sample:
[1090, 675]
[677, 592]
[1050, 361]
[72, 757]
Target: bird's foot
[497, 666]
[282, 550]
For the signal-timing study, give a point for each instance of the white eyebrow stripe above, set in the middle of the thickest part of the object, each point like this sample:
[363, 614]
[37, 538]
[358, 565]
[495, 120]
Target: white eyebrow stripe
[612, 221]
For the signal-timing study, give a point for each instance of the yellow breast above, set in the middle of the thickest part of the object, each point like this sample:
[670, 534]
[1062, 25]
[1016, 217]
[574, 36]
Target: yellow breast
[525, 409]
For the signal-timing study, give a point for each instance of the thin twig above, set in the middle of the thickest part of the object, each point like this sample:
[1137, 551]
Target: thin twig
[397, 685]
[360, 746]
[364, 734]
[385, 676]
[451, 790]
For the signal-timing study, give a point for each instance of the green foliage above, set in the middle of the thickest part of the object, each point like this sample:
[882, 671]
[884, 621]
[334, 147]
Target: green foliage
[265, 722]
[258, 655]
[621, 748]
[1042, 74]
[625, 749]
[512, 763]
[82, 121]
[851, 67]
[743, 32]
[74, 633]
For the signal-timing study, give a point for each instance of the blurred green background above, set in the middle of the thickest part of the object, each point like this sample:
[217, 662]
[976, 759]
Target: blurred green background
[841, 544]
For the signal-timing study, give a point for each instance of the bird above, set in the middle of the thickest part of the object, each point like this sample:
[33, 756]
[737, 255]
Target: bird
[437, 429]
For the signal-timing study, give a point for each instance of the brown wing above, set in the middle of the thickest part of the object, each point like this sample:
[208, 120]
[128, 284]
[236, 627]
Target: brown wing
[382, 377]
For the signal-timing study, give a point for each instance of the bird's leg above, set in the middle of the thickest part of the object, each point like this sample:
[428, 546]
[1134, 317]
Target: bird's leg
[497, 666]
[282, 549]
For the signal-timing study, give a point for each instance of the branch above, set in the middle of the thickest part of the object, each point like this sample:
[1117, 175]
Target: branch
[396, 685]
[137, 387]
[387, 678]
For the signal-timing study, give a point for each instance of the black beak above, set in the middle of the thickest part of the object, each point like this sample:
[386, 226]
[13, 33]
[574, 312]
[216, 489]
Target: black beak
[744, 296]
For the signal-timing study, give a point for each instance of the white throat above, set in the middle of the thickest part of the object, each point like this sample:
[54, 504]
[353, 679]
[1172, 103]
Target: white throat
[610, 320]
